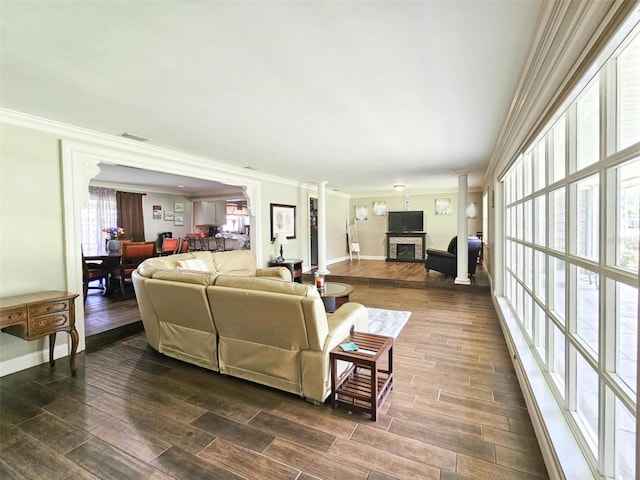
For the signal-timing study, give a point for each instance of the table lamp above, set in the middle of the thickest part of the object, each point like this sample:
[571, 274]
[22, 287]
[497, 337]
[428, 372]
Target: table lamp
[281, 238]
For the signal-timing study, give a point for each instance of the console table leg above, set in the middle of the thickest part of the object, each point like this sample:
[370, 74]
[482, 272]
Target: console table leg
[52, 344]
[74, 348]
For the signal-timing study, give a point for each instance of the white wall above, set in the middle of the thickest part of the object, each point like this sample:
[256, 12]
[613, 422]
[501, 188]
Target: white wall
[153, 227]
[31, 216]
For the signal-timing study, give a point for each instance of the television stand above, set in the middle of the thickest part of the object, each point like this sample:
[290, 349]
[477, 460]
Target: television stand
[405, 246]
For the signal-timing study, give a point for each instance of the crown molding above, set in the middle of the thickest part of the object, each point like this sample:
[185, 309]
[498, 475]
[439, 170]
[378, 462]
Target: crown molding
[228, 173]
[568, 37]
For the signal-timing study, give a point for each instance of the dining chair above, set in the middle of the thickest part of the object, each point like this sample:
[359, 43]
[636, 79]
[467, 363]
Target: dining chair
[169, 246]
[133, 254]
[184, 246]
[92, 271]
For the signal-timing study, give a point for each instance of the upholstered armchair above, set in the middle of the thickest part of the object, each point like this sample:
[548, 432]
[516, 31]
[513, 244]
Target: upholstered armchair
[447, 261]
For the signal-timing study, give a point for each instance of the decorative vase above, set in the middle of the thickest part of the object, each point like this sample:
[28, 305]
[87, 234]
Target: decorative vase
[113, 246]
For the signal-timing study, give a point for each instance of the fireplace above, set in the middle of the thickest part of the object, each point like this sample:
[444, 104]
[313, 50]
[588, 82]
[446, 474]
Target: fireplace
[405, 251]
[405, 246]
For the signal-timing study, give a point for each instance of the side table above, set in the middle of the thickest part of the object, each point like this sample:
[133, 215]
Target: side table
[363, 392]
[36, 315]
[294, 265]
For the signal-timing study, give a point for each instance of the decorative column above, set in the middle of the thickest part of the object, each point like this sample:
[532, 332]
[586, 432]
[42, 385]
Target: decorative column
[463, 231]
[322, 229]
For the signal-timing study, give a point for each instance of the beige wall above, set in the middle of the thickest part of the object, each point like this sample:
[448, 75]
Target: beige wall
[439, 228]
[31, 222]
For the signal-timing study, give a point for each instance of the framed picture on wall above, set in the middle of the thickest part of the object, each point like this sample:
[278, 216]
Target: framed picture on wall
[443, 206]
[178, 207]
[361, 212]
[379, 209]
[168, 216]
[178, 219]
[157, 212]
[283, 220]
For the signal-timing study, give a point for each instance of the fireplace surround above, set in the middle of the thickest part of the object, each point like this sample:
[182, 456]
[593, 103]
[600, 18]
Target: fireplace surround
[405, 246]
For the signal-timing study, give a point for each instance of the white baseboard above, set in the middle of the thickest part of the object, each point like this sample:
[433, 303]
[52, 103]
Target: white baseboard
[33, 359]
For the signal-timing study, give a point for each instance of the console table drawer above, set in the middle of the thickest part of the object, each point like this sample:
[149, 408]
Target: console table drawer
[48, 323]
[47, 308]
[13, 317]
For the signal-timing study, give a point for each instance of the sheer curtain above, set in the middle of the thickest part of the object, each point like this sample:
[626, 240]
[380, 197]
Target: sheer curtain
[101, 211]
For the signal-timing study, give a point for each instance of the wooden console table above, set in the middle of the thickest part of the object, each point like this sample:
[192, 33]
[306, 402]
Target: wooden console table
[294, 266]
[35, 315]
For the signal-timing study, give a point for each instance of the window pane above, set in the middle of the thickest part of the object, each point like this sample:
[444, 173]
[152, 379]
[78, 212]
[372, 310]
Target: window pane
[540, 276]
[588, 218]
[539, 180]
[627, 333]
[558, 370]
[528, 221]
[587, 295]
[628, 221]
[629, 95]
[528, 267]
[540, 331]
[559, 152]
[625, 443]
[587, 401]
[519, 222]
[519, 262]
[558, 288]
[527, 313]
[588, 127]
[518, 180]
[526, 174]
[557, 219]
[540, 224]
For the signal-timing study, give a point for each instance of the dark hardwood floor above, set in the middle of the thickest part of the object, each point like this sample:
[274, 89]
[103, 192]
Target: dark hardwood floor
[456, 411]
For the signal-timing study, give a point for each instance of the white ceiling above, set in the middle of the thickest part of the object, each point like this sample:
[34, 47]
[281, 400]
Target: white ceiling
[360, 94]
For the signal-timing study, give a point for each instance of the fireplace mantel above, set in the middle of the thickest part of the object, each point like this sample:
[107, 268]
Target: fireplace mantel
[405, 246]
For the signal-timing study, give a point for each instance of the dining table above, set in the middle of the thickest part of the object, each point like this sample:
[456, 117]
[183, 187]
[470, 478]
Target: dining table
[109, 261]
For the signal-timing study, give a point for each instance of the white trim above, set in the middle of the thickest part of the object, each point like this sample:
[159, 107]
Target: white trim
[560, 450]
[123, 149]
[17, 364]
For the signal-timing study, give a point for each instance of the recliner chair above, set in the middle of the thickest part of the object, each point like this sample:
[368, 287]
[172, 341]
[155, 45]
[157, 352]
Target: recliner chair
[447, 261]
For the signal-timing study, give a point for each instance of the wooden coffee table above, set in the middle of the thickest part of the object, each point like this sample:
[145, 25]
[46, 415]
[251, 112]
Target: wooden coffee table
[363, 391]
[334, 295]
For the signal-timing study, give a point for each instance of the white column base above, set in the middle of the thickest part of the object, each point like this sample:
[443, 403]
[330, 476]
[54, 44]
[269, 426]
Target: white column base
[462, 281]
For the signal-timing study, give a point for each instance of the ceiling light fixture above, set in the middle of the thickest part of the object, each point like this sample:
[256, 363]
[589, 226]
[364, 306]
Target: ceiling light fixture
[398, 188]
[180, 186]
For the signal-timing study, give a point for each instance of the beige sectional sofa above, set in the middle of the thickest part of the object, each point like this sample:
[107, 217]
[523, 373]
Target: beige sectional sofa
[218, 311]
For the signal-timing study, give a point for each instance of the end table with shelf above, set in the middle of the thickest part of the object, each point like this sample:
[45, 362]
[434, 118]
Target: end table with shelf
[294, 265]
[363, 392]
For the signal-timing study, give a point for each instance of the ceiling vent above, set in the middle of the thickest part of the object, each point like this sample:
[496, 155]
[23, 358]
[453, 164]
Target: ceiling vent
[131, 136]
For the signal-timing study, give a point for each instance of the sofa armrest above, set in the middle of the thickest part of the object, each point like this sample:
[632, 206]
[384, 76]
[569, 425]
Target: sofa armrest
[282, 273]
[350, 316]
[440, 253]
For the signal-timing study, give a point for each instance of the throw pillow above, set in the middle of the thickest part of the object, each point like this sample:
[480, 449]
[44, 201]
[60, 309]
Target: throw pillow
[196, 264]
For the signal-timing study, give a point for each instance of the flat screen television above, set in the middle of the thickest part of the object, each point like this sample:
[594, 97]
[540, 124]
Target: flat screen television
[411, 221]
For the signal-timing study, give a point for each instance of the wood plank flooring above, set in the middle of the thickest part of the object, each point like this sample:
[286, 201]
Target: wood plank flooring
[456, 412]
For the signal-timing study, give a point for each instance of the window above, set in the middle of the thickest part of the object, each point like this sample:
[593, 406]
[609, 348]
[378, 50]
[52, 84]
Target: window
[628, 105]
[100, 212]
[572, 259]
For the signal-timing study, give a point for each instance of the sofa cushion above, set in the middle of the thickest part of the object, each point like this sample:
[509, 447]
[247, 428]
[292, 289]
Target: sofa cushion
[266, 284]
[207, 258]
[152, 265]
[237, 260]
[196, 264]
[186, 276]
